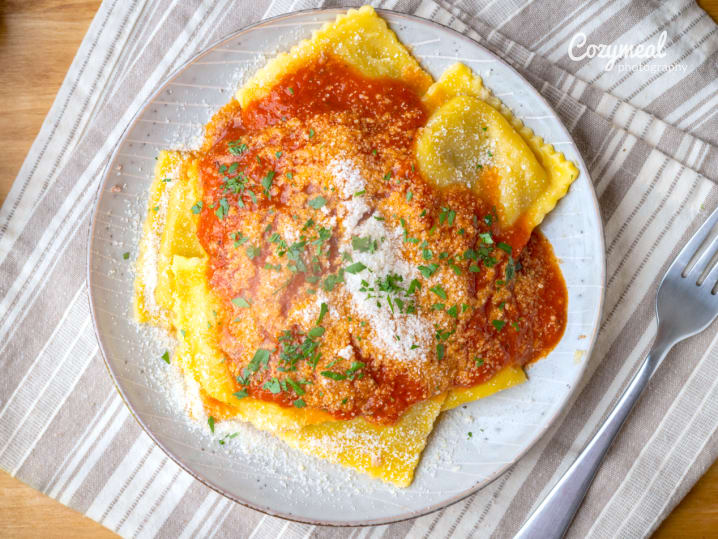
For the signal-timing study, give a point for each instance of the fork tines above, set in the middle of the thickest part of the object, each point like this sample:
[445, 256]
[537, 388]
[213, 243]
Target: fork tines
[699, 258]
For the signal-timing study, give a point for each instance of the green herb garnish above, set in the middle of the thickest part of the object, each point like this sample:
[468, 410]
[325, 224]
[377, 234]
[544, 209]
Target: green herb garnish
[355, 268]
[317, 202]
[239, 301]
[439, 291]
[429, 270]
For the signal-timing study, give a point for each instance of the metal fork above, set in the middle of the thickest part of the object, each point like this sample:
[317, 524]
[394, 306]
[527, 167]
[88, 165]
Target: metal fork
[686, 304]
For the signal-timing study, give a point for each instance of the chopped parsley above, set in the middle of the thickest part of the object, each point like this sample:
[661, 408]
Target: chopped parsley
[414, 285]
[429, 270]
[210, 421]
[236, 147]
[456, 269]
[242, 393]
[355, 268]
[315, 332]
[296, 387]
[332, 280]
[447, 215]
[273, 386]
[334, 375]
[223, 209]
[166, 357]
[498, 324]
[267, 183]
[239, 239]
[239, 301]
[364, 245]
[317, 202]
[510, 269]
[356, 365]
[323, 310]
[126, 255]
[299, 403]
[407, 239]
[439, 291]
[253, 252]
[505, 247]
[227, 437]
[260, 359]
[197, 207]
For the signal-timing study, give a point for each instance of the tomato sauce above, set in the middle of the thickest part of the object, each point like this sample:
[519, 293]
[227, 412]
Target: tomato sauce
[271, 222]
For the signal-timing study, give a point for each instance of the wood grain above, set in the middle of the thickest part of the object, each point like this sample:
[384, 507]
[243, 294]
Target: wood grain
[38, 41]
[25, 513]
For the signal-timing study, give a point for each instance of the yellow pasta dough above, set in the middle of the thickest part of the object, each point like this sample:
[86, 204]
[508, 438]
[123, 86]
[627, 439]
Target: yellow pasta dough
[360, 38]
[472, 137]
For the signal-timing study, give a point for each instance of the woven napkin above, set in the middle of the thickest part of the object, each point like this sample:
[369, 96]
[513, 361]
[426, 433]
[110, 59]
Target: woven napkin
[648, 131]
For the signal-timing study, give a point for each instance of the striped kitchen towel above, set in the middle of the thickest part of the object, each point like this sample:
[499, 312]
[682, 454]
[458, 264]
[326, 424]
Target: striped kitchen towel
[648, 130]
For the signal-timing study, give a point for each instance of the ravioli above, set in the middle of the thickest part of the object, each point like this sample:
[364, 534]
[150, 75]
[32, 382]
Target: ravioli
[390, 453]
[146, 307]
[195, 312]
[472, 137]
[467, 127]
[361, 38]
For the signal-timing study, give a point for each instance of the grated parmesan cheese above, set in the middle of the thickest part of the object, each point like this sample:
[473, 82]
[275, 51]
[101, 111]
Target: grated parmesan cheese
[405, 337]
[148, 269]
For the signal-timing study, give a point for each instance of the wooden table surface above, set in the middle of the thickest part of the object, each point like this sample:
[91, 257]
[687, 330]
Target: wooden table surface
[38, 40]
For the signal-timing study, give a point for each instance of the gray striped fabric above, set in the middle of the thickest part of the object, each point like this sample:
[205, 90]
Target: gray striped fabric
[648, 135]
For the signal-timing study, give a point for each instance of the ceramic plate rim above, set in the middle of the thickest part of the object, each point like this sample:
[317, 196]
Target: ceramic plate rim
[548, 423]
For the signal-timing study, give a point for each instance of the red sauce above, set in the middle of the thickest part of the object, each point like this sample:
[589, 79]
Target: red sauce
[515, 309]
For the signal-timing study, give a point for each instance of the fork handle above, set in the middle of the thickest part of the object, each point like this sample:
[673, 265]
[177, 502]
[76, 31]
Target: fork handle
[553, 516]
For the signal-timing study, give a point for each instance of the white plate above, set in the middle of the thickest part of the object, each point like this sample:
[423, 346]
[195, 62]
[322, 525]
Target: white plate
[256, 469]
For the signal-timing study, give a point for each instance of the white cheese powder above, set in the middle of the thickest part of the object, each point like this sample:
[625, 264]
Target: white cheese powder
[405, 337]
